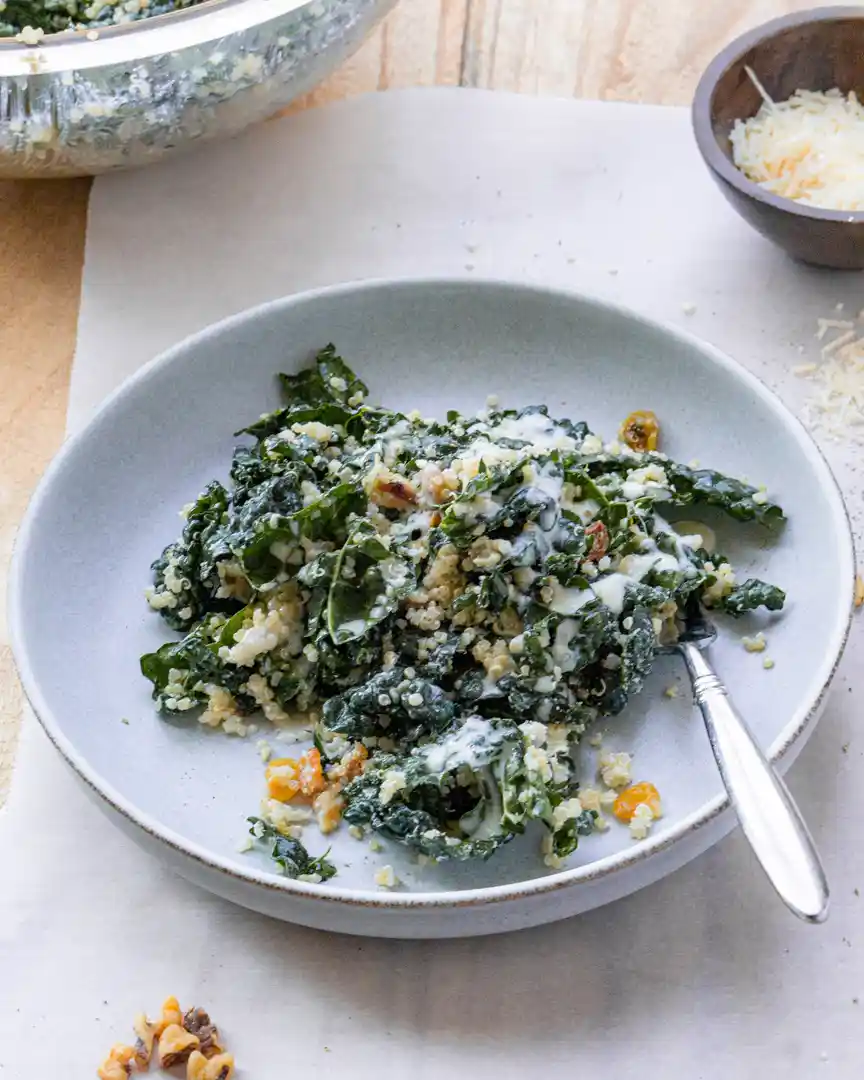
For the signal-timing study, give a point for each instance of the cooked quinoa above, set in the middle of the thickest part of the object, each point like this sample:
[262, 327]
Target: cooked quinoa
[443, 606]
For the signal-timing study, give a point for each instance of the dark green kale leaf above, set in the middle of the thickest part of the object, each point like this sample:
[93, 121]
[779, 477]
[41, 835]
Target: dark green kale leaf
[330, 413]
[191, 560]
[565, 839]
[284, 521]
[332, 369]
[494, 591]
[249, 470]
[566, 569]
[329, 517]
[359, 711]
[457, 525]
[290, 854]
[448, 805]
[440, 661]
[194, 663]
[709, 488]
[368, 584]
[415, 827]
[583, 635]
[316, 393]
[636, 658]
[577, 474]
[750, 595]
[525, 796]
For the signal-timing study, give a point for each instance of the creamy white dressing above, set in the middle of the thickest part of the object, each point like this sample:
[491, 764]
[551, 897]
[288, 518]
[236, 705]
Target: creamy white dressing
[586, 509]
[490, 453]
[394, 572]
[483, 505]
[391, 440]
[458, 749]
[610, 591]
[695, 534]
[631, 491]
[637, 567]
[550, 480]
[562, 656]
[568, 601]
[534, 428]
[420, 520]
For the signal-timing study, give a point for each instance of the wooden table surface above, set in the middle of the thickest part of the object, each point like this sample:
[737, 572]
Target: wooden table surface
[616, 50]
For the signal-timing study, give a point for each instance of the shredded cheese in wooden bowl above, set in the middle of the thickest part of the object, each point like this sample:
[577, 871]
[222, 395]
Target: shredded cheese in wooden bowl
[809, 148]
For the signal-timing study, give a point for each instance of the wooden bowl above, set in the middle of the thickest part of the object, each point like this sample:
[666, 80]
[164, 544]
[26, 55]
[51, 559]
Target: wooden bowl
[810, 50]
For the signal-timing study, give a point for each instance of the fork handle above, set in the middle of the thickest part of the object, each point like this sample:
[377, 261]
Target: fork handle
[768, 815]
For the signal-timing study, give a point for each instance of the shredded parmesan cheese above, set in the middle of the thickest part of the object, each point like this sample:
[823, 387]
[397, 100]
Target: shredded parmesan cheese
[835, 406]
[809, 148]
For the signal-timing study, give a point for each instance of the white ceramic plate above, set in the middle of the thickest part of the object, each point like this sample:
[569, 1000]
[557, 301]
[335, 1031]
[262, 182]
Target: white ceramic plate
[110, 502]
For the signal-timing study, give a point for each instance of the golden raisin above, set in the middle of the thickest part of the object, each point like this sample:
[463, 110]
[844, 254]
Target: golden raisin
[641, 430]
[625, 805]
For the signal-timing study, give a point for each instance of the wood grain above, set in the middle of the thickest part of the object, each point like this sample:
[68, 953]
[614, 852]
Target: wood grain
[622, 50]
[41, 250]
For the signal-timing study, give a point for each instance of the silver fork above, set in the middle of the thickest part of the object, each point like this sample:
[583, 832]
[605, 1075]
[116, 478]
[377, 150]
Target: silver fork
[766, 811]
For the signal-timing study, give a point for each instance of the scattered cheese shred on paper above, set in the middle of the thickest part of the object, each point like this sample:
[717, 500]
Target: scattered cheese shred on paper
[835, 405]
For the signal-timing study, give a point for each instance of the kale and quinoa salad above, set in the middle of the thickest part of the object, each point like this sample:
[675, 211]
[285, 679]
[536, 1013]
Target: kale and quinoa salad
[442, 607]
[31, 19]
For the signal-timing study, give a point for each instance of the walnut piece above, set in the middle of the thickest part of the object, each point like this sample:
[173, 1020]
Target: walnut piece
[197, 1022]
[118, 1064]
[393, 493]
[145, 1037]
[175, 1039]
[171, 1014]
[175, 1045]
[220, 1067]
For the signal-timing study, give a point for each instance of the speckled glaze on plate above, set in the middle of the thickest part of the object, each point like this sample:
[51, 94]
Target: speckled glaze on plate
[109, 503]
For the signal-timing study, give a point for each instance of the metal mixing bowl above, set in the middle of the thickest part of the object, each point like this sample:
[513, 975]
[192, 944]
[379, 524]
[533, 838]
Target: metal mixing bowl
[72, 106]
